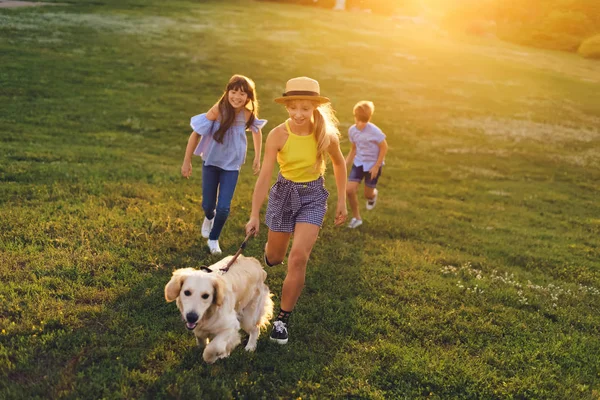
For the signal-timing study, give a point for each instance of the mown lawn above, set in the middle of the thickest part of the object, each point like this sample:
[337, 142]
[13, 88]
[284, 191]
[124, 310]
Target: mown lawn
[476, 276]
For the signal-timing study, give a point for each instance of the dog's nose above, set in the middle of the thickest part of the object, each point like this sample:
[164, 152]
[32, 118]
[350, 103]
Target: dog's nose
[191, 317]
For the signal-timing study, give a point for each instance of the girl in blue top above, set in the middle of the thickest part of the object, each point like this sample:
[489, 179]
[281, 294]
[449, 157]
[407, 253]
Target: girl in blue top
[219, 137]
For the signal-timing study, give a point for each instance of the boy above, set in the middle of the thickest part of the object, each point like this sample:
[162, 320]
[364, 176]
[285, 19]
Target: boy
[366, 156]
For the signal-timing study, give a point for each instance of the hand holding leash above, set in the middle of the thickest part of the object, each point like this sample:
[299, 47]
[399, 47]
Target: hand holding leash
[252, 226]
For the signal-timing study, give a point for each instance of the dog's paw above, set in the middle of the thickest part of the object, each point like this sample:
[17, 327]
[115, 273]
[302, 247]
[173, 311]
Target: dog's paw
[210, 357]
[250, 347]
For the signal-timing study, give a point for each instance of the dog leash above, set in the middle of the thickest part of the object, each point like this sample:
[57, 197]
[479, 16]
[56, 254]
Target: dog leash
[237, 253]
[235, 256]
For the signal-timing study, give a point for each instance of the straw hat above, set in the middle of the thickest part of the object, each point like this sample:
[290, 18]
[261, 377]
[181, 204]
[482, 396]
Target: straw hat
[302, 88]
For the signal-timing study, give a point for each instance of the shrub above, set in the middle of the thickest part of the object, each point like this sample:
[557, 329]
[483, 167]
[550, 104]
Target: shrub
[325, 3]
[568, 22]
[387, 7]
[303, 2]
[555, 41]
[590, 48]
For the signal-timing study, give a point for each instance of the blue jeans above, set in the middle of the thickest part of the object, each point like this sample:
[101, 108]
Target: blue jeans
[216, 180]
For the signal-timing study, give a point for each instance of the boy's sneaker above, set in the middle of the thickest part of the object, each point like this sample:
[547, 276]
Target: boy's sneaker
[207, 227]
[371, 203]
[213, 245]
[279, 333]
[354, 223]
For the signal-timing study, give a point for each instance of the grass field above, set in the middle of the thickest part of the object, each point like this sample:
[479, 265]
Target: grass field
[477, 276]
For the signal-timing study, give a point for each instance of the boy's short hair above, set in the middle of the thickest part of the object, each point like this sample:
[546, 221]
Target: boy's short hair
[363, 110]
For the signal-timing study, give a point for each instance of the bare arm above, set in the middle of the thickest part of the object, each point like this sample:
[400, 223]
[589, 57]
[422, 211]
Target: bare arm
[257, 140]
[213, 113]
[186, 167]
[351, 155]
[194, 139]
[340, 172]
[383, 148]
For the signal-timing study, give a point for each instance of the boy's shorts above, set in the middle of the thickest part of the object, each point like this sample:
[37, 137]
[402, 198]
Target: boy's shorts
[293, 202]
[358, 173]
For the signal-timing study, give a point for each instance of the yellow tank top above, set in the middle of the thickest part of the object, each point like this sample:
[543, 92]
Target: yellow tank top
[298, 156]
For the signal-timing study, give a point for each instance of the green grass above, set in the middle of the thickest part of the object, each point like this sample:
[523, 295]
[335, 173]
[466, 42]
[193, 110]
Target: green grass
[477, 275]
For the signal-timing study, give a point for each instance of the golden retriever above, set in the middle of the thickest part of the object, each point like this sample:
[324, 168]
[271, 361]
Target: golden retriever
[215, 304]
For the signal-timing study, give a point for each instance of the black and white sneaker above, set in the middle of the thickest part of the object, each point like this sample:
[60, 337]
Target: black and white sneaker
[279, 333]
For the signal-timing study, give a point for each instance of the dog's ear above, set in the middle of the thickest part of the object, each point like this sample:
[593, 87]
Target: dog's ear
[219, 291]
[173, 288]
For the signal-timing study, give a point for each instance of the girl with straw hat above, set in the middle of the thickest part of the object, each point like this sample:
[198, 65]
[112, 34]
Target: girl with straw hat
[298, 199]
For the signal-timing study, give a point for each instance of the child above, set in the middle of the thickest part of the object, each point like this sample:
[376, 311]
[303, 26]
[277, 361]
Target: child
[222, 135]
[366, 156]
[298, 200]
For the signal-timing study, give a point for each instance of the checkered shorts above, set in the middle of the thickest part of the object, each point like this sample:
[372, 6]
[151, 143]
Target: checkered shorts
[293, 202]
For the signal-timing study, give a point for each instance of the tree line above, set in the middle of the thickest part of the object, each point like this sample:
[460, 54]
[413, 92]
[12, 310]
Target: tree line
[568, 25]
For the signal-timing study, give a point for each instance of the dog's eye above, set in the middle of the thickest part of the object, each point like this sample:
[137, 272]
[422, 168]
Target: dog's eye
[187, 293]
[205, 296]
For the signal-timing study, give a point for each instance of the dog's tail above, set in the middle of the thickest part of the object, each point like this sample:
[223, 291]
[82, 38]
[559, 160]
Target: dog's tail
[264, 308]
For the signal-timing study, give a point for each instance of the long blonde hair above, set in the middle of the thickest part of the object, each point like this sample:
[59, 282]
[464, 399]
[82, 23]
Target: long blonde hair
[326, 130]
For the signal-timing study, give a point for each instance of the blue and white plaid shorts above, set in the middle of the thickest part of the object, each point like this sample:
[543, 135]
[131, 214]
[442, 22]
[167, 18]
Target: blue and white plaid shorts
[293, 202]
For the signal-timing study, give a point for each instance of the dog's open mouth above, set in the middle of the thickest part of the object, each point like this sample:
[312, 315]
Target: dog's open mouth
[191, 326]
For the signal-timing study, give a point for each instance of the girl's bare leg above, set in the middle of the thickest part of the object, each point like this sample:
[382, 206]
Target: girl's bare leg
[305, 236]
[276, 247]
[351, 191]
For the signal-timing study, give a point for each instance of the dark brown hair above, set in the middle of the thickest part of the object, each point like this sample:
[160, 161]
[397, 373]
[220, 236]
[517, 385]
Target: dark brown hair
[227, 112]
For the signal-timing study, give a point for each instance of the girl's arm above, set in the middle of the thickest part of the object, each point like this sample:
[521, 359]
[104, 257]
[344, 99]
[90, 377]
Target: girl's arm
[339, 170]
[261, 188]
[257, 140]
[213, 113]
[383, 148]
[351, 155]
[186, 167]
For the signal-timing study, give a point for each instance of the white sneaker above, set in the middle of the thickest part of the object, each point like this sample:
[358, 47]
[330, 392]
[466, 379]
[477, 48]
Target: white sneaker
[213, 245]
[207, 227]
[354, 223]
[371, 203]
